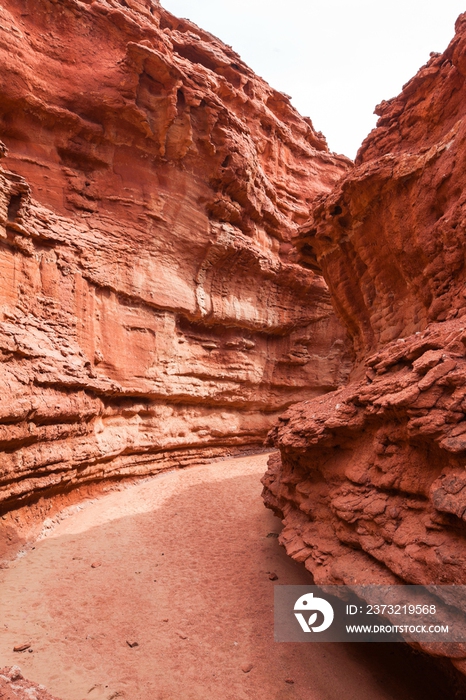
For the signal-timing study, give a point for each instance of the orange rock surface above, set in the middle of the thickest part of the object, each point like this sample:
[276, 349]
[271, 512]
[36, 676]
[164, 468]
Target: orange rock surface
[371, 481]
[152, 308]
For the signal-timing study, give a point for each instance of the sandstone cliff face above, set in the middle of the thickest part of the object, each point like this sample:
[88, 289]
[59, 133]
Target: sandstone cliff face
[371, 481]
[152, 311]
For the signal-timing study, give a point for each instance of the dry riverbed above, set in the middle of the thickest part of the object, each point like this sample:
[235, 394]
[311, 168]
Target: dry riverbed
[163, 591]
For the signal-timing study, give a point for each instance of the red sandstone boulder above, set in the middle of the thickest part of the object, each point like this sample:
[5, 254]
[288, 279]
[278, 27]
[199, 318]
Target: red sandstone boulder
[14, 687]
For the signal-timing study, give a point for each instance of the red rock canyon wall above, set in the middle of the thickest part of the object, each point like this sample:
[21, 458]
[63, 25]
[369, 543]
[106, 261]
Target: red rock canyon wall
[152, 309]
[371, 481]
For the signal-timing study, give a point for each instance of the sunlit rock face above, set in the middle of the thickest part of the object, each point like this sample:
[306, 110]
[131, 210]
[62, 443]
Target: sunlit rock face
[152, 310]
[372, 481]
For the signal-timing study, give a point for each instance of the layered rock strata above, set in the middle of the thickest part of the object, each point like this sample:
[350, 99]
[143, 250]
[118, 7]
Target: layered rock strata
[152, 310]
[371, 482]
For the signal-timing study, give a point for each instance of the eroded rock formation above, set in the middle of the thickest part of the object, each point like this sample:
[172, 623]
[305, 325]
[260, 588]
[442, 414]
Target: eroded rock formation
[371, 481]
[13, 686]
[152, 311]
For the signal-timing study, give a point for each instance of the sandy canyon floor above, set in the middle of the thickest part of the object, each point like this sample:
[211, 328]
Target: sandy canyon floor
[180, 564]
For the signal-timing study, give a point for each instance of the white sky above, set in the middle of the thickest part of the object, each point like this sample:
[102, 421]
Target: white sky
[336, 58]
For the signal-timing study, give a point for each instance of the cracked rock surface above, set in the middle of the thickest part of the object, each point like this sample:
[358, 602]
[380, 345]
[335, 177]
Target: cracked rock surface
[371, 480]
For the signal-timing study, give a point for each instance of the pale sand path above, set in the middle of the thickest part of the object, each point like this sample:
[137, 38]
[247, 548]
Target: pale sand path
[201, 534]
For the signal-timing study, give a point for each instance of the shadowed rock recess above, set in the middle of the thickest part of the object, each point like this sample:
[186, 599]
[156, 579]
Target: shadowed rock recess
[371, 482]
[152, 309]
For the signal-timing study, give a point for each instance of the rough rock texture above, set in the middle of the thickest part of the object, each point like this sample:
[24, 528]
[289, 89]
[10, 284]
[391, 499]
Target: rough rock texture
[152, 310]
[372, 481]
[14, 687]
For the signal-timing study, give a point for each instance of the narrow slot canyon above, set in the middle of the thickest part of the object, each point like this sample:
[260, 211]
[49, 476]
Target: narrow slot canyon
[230, 360]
